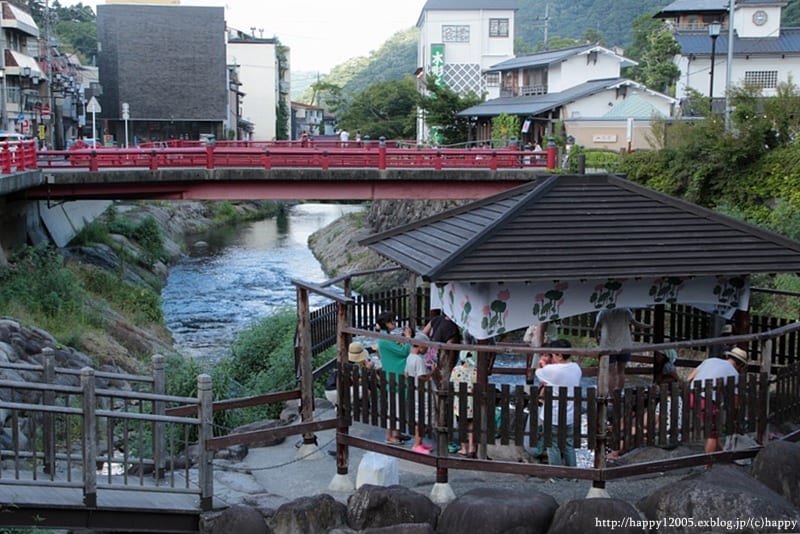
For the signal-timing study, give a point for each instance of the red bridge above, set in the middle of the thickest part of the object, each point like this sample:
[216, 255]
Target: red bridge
[270, 170]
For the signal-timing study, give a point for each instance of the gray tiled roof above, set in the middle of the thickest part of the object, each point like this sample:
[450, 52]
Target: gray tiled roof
[541, 59]
[534, 105]
[709, 6]
[698, 42]
[568, 227]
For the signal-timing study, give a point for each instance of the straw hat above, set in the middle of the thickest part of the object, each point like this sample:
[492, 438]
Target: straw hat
[356, 353]
[738, 354]
[419, 336]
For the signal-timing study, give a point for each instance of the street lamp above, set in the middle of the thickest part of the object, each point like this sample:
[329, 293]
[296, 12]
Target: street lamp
[713, 32]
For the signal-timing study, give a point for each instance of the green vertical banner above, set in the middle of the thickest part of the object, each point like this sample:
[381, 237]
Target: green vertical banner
[437, 63]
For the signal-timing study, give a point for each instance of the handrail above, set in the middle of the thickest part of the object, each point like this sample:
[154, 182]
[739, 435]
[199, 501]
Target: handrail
[215, 156]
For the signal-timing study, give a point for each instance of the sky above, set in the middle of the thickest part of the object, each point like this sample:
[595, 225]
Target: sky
[320, 33]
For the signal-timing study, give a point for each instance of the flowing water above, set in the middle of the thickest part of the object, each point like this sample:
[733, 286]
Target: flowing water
[237, 275]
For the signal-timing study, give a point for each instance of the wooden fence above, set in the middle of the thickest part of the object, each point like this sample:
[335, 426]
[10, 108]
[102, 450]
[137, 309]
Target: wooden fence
[127, 440]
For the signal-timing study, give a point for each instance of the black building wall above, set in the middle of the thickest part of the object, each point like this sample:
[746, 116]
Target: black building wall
[167, 62]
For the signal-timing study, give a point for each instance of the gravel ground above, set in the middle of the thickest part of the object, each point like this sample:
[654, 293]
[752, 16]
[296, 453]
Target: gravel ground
[280, 472]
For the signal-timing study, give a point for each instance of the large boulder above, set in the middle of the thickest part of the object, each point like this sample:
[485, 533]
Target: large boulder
[309, 515]
[496, 510]
[378, 506]
[261, 425]
[724, 493]
[597, 515]
[237, 519]
[777, 466]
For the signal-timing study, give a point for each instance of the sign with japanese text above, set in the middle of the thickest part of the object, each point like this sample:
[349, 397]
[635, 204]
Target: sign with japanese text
[437, 63]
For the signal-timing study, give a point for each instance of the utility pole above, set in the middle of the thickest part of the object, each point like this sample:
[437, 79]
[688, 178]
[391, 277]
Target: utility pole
[546, 25]
[49, 66]
[729, 66]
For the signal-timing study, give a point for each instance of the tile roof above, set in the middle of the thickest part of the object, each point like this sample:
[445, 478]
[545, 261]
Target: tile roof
[634, 107]
[570, 227]
[698, 42]
[537, 104]
[541, 59]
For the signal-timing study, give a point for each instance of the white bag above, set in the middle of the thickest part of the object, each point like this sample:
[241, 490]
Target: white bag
[378, 470]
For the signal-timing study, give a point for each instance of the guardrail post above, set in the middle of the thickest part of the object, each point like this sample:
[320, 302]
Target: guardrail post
[205, 396]
[210, 157]
[325, 162]
[48, 398]
[551, 153]
[493, 161]
[94, 165]
[382, 153]
[267, 159]
[159, 438]
[438, 163]
[89, 438]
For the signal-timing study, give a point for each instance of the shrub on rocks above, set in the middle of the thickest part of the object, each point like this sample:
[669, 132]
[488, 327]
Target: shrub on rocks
[494, 510]
[378, 506]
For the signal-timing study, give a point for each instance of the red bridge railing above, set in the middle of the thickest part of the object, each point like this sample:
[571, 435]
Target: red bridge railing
[17, 156]
[269, 156]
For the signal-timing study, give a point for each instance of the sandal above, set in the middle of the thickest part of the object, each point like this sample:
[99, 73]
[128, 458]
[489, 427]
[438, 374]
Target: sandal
[394, 442]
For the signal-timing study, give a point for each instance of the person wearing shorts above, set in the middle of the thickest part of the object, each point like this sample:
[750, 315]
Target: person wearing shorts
[613, 328]
[734, 363]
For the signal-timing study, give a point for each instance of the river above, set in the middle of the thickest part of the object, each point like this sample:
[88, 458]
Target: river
[241, 274]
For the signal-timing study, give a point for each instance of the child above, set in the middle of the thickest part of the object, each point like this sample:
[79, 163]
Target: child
[415, 368]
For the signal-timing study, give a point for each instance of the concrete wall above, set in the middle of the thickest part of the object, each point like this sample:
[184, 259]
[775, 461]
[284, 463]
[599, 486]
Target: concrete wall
[25, 222]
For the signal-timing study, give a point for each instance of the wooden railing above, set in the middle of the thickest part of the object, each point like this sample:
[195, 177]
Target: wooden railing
[126, 432]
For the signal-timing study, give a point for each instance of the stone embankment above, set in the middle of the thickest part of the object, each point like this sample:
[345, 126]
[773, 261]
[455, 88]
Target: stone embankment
[336, 246]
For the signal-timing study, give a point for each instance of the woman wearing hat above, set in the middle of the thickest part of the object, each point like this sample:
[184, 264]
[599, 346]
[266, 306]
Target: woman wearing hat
[734, 363]
[356, 355]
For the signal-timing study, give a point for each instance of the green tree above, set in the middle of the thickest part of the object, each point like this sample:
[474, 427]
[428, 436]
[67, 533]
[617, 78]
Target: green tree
[656, 69]
[504, 128]
[385, 109]
[441, 106]
[594, 36]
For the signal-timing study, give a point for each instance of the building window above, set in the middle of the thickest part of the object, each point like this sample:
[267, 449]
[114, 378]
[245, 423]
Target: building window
[455, 34]
[498, 27]
[766, 79]
[492, 79]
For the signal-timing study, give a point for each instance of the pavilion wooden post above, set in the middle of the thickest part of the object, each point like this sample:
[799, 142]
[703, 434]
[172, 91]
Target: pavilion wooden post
[485, 363]
[412, 301]
[766, 367]
[304, 365]
[343, 394]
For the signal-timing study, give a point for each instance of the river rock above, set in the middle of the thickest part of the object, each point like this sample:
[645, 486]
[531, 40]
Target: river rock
[497, 511]
[309, 515]
[777, 466]
[377, 506]
[724, 492]
[239, 520]
[591, 515]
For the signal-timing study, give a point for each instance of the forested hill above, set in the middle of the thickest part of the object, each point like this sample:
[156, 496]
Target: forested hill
[609, 20]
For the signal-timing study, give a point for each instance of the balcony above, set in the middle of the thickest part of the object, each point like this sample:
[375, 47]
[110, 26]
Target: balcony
[524, 90]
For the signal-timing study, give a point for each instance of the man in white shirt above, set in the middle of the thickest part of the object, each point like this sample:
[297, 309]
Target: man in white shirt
[733, 365]
[561, 373]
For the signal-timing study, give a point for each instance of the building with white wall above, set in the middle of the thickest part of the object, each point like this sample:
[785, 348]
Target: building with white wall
[764, 53]
[263, 81]
[458, 40]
